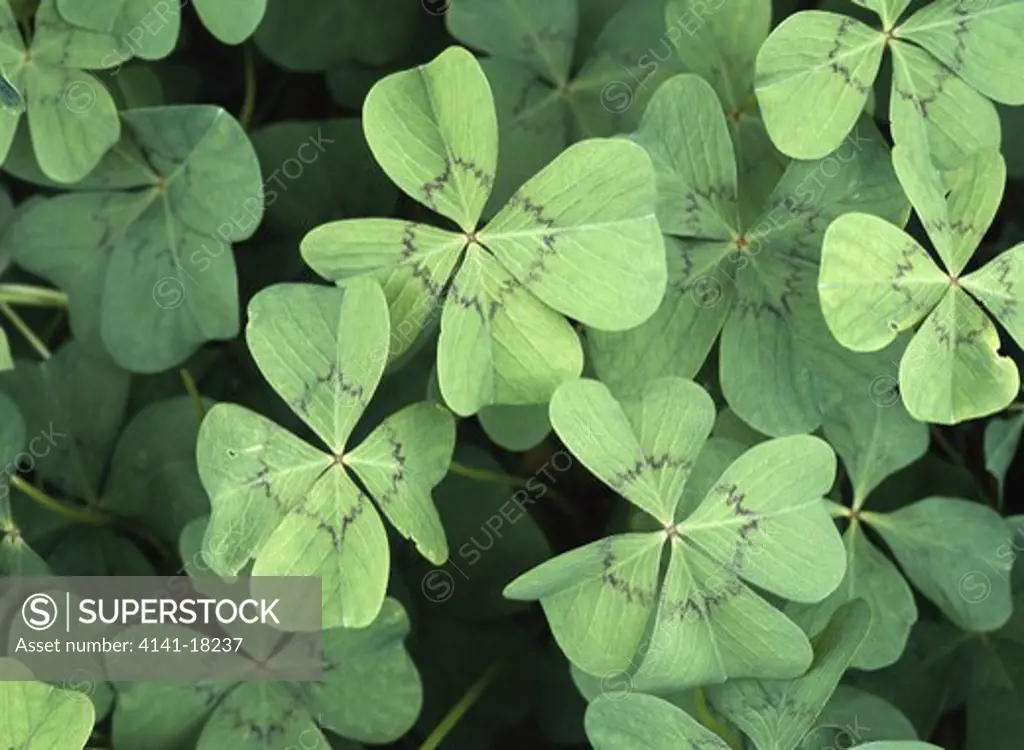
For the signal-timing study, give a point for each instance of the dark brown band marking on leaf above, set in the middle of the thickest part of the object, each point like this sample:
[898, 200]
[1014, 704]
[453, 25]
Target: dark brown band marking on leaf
[840, 68]
[613, 580]
[265, 733]
[451, 163]
[648, 462]
[336, 377]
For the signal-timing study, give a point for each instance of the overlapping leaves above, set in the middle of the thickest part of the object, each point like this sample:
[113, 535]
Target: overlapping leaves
[149, 269]
[760, 522]
[872, 290]
[946, 546]
[370, 691]
[950, 58]
[294, 508]
[579, 240]
[149, 29]
[754, 281]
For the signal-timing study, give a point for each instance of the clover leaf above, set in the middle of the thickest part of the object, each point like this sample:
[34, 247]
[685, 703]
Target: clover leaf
[778, 714]
[946, 546]
[149, 29]
[294, 508]
[370, 691]
[1002, 437]
[753, 281]
[38, 716]
[761, 523]
[72, 117]
[817, 68]
[579, 239]
[951, 371]
[639, 721]
[163, 209]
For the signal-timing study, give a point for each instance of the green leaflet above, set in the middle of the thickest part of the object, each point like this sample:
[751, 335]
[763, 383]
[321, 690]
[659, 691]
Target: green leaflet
[951, 370]
[38, 716]
[777, 714]
[815, 73]
[750, 279]
[854, 715]
[820, 63]
[929, 106]
[506, 286]
[1002, 436]
[645, 722]
[72, 117]
[745, 529]
[231, 21]
[949, 549]
[166, 281]
[294, 508]
[539, 37]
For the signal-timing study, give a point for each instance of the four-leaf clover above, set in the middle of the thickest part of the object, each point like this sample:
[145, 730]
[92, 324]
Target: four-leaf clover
[760, 522]
[579, 240]
[295, 508]
[816, 70]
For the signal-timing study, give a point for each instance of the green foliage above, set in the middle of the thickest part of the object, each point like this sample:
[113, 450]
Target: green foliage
[630, 373]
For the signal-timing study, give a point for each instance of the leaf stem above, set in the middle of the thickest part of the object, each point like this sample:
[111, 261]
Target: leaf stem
[509, 480]
[70, 512]
[25, 331]
[452, 718]
[193, 392]
[708, 719]
[249, 102]
[27, 295]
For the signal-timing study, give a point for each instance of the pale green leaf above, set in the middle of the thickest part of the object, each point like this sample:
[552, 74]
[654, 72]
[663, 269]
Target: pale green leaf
[231, 21]
[38, 716]
[642, 446]
[948, 549]
[956, 207]
[421, 258]
[875, 281]
[499, 343]
[872, 577]
[981, 43]
[516, 428]
[930, 106]
[582, 235]
[997, 285]
[686, 135]
[777, 714]
[888, 10]
[951, 371]
[597, 598]
[814, 73]
[854, 715]
[434, 131]
[697, 301]
[324, 367]
[645, 722]
[401, 461]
